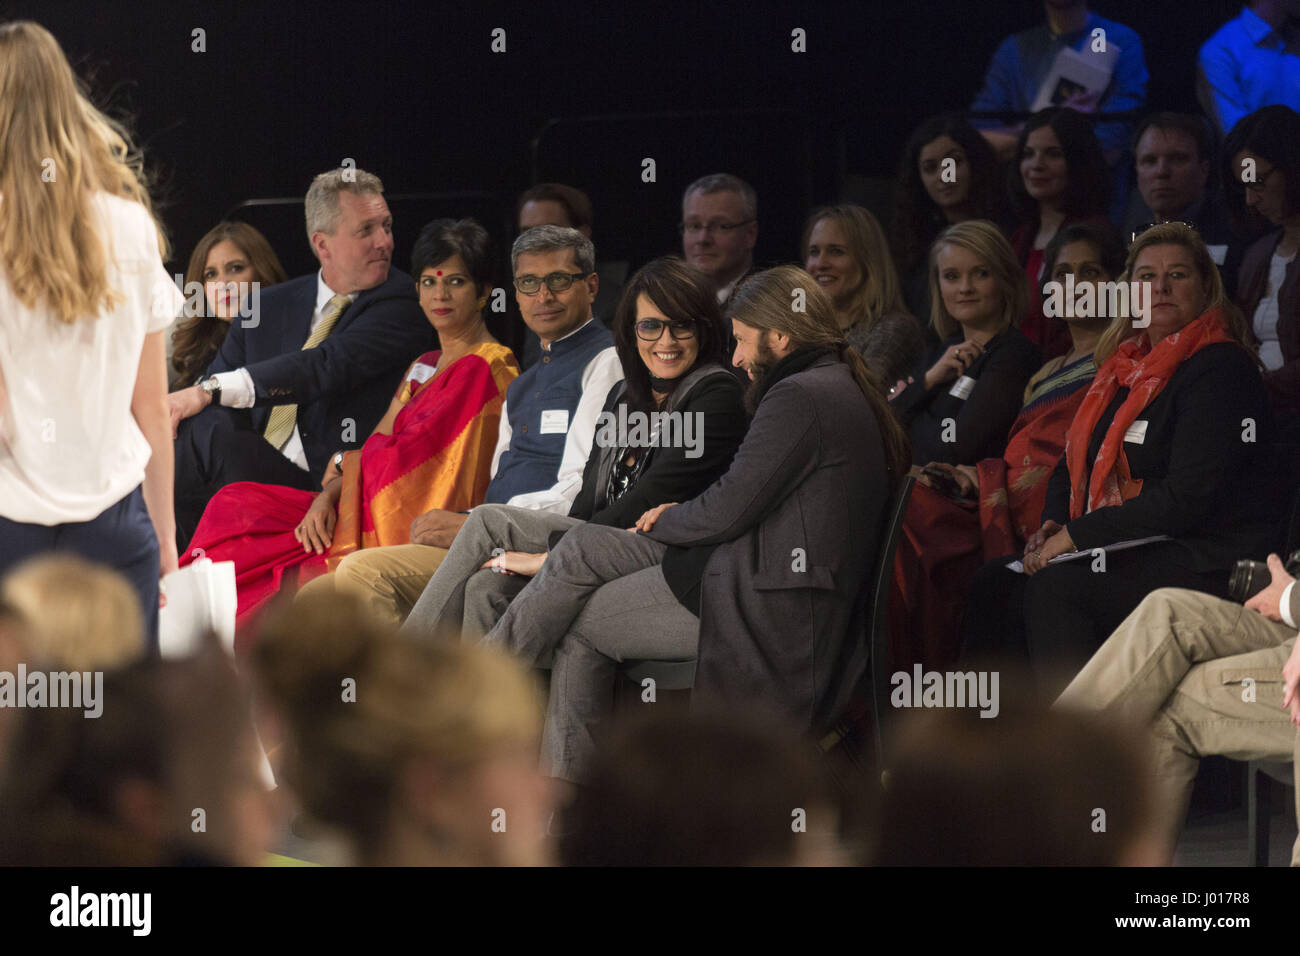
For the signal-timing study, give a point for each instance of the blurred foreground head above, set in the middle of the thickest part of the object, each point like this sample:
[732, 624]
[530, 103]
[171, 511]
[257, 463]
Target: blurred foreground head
[75, 614]
[417, 754]
[703, 789]
[169, 772]
[1030, 787]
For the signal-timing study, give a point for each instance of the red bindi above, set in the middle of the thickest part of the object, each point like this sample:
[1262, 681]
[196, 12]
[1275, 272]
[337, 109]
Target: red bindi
[438, 273]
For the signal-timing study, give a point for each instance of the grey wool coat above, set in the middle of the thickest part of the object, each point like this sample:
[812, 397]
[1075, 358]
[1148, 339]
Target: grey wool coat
[796, 518]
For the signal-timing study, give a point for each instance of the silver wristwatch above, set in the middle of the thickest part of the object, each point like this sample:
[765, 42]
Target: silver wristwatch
[213, 388]
[338, 460]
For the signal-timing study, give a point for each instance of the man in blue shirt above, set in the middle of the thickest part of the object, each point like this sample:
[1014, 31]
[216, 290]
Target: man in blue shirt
[1253, 61]
[1024, 61]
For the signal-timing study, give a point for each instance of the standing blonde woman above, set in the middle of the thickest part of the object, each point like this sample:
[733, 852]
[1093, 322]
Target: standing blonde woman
[85, 440]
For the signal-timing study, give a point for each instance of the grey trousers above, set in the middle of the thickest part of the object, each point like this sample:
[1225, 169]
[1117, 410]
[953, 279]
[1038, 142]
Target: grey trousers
[600, 599]
[1205, 675]
[462, 601]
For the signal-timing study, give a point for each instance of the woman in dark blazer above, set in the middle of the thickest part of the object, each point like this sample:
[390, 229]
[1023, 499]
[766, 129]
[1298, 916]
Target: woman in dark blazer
[1268, 285]
[671, 341]
[960, 404]
[1172, 439]
[762, 578]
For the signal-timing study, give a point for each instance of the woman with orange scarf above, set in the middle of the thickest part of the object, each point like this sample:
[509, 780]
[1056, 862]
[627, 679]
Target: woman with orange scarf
[1172, 440]
[433, 448]
[992, 507]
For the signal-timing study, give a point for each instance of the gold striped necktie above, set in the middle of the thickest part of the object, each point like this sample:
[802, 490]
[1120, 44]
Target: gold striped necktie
[284, 418]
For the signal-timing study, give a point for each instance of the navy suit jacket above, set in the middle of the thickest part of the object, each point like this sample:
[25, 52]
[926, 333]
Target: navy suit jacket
[343, 386]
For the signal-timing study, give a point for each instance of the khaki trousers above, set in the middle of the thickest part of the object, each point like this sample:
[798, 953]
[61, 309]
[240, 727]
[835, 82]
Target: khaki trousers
[1206, 676]
[389, 580]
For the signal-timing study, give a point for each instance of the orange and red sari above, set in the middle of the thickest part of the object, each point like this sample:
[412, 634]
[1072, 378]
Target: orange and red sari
[439, 455]
[944, 542]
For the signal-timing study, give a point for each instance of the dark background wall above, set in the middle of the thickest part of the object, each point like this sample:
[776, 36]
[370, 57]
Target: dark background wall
[412, 92]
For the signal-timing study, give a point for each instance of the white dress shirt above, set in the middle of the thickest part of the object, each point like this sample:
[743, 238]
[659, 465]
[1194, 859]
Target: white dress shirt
[237, 386]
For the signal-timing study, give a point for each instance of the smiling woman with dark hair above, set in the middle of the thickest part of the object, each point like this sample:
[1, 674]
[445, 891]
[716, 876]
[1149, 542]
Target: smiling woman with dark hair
[671, 343]
[762, 575]
[227, 260]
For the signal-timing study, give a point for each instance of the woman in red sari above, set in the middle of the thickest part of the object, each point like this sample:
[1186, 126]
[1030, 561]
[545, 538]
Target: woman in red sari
[432, 449]
[966, 515]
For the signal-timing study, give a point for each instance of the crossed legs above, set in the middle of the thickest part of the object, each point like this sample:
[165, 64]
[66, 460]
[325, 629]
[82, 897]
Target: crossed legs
[1206, 676]
[600, 599]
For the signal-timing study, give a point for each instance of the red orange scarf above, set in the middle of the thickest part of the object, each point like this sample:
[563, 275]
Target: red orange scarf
[1145, 371]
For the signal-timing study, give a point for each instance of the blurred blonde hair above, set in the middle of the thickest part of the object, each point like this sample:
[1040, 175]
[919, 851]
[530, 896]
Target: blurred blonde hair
[986, 241]
[459, 705]
[1178, 234]
[49, 248]
[75, 614]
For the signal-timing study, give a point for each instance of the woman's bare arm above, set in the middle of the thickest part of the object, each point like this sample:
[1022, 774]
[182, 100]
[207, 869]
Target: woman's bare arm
[149, 406]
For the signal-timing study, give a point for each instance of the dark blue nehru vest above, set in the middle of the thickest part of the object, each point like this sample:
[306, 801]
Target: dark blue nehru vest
[540, 404]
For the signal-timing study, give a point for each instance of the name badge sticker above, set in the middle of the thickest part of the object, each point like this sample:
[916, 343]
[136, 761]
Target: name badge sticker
[555, 421]
[1137, 433]
[962, 387]
[421, 372]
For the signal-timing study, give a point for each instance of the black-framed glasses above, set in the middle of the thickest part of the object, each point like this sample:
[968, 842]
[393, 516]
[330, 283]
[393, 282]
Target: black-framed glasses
[652, 329]
[556, 282]
[1147, 226]
[722, 227]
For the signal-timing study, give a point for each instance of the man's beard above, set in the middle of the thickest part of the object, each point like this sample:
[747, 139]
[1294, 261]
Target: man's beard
[761, 365]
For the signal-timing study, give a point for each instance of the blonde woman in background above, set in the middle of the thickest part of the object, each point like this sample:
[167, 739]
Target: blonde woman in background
[845, 250]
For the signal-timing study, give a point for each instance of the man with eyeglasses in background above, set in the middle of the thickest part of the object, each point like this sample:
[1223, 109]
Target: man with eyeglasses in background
[719, 228]
[548, 422]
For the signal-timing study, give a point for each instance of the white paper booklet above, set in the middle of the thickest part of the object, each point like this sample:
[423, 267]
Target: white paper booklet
[1074, 72]
[200, 597]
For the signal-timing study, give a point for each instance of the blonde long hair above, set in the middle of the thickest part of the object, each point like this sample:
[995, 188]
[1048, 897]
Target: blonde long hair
[1178, 234]
[985, 240]
[458, 704]
[58, 151]
[879, 290]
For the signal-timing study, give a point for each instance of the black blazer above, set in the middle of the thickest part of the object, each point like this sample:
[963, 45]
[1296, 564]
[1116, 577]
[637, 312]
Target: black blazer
[984, 419]
[669, 475]
[1216, 494]
[343, 386]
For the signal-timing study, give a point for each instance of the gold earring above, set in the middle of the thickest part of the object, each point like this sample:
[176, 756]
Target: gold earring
[482, 302]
